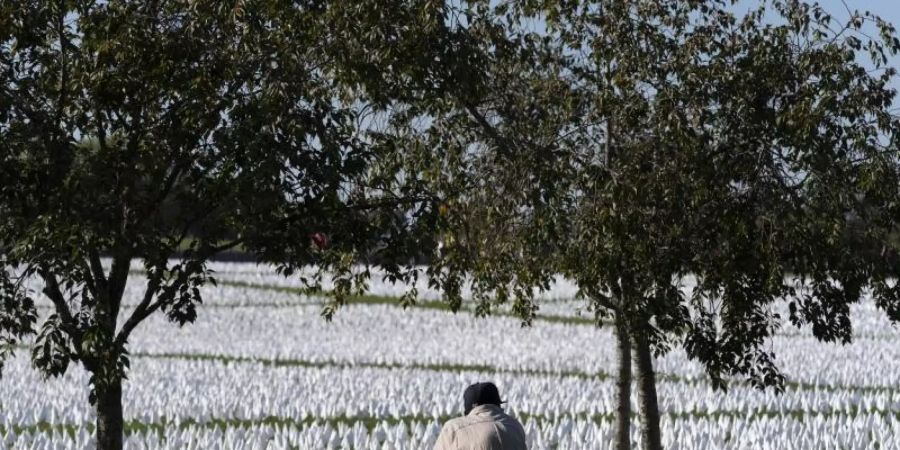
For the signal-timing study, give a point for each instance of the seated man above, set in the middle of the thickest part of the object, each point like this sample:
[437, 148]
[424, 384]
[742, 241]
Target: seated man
[485, 426]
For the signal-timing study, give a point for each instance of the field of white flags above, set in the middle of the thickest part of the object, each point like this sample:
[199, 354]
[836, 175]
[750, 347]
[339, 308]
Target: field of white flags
[261, 369]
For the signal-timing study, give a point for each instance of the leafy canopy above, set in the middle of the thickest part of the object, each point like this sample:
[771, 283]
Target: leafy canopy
[145, 130]
[637, 146]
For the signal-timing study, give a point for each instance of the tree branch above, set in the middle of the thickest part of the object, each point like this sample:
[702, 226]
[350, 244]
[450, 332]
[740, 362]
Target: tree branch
[147, 307]
[391, 202]
[63, 75]
[97, 270]
[210, 251]
[143, 310]
[53, 291]
[187, 228]
[154, 206]
[606, 303]
[487, 127]
[88, 277]
[118, 277]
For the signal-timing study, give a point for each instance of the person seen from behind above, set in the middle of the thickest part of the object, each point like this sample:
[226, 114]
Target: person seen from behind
[484, 426]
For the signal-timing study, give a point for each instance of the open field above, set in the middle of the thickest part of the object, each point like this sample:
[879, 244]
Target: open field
[261, 369]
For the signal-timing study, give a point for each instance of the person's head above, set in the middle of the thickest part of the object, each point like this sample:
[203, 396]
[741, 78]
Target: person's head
[481, 394]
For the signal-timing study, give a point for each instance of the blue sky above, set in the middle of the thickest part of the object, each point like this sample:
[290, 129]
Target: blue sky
[841, 10]
[889, 10]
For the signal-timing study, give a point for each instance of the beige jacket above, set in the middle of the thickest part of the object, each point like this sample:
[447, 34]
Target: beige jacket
[486, 427]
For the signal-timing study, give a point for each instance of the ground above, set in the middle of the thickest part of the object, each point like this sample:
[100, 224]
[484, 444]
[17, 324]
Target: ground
[261, 369]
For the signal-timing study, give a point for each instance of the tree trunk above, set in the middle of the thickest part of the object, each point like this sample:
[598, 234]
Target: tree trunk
[623, 385]
[646, 380]
[110, 421]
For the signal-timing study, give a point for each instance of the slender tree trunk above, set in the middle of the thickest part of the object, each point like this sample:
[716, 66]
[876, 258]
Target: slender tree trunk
[646, 380]
[110, 421]
[110, 417]
[623, 385]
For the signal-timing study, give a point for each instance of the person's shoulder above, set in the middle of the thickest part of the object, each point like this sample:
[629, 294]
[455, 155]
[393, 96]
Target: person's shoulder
[458, 423]
[512, 424]
[448, 436]
[515, 423]
[453, 426]
[511, 418]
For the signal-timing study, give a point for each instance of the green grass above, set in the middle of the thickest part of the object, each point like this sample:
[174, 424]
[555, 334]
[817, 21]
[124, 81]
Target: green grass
[458, 368]
[455, 368]
[369, 299]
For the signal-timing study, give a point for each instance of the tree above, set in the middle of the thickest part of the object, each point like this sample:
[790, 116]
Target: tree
[135, 130]
[680, 140]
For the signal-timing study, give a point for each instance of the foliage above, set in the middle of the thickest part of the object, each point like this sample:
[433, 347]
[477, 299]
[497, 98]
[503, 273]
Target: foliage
[138, 130]
[636, 146]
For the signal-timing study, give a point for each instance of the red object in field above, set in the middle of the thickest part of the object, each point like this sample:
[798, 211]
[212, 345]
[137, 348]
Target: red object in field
[320, 240]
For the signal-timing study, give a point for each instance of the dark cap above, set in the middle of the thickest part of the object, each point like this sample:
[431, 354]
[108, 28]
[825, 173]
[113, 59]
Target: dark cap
[481, 394]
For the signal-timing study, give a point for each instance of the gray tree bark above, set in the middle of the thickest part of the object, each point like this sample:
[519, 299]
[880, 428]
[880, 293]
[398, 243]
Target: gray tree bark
[623, 384]
[651, 436]
[110, 420]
